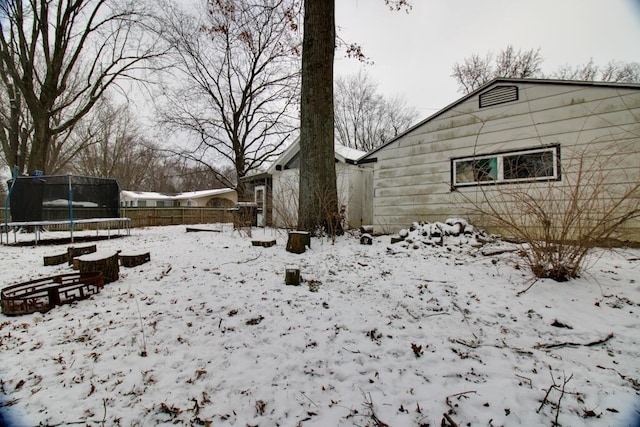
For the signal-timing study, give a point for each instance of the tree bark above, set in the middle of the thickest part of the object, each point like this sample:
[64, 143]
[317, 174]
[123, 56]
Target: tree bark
[109, 267]
[318, 195]
[298, 242]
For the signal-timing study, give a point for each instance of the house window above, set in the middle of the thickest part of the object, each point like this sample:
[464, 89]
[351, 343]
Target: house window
[260, 196]
[293, 163]
[142, 203]
[536, 164]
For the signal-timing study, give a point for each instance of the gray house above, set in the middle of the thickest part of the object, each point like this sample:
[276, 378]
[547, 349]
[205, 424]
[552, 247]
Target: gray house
[510, 137]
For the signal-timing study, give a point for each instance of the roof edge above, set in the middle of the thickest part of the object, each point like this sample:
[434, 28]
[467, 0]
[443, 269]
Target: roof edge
[495, 81]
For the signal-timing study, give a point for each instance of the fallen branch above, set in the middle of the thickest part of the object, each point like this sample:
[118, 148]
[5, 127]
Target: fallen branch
[442, 313]
[458, 396]
[574, 344]
[449, 420]
[526, 379]
[464, 314]
[634, 382]
[368, 404]
[411, 314]
[314, 403]
[466, 344]
[528, 287]
[561, 389]
[243, 262]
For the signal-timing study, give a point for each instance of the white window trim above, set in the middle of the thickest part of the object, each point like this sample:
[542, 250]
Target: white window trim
[554, 149]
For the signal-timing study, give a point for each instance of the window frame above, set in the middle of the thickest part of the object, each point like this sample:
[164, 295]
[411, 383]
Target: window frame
[499, 156]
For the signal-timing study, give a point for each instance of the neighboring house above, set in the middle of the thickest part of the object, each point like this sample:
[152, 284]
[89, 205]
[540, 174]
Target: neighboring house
[520, 133]
[218, 198]
[276, 190]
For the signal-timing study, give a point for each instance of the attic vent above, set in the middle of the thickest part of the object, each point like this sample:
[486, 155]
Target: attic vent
[498, 95]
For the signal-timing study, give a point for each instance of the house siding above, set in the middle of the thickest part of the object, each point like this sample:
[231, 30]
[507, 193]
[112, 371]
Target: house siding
[412, 175]
[285, 198]
[351, 194]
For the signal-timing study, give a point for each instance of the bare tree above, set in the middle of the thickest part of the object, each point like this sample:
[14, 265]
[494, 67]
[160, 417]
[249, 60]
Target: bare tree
[364, 118]
[60, 56]
[114, 146]
[622, 72]
[475, 70]
[235, 83]
[318, 195]
[14, 123]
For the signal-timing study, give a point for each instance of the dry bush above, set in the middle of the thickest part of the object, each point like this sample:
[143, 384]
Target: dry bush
[561, 221]
[330, 223]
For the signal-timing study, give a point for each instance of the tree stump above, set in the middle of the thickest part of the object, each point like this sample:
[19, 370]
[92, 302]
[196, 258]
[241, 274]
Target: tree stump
[298, 241]
[109, 267]
[73, 252]
[56, 259]
[292, 276]
[134, 260]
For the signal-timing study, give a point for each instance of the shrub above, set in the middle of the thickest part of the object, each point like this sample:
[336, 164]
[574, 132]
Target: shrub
[562, 221]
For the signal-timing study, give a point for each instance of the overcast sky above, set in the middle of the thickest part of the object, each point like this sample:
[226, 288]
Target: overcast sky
[414, 52]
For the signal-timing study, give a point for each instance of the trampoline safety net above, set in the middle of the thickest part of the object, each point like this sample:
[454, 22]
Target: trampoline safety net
[63, 197]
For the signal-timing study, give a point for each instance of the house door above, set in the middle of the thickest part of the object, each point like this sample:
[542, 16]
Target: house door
[261, 201]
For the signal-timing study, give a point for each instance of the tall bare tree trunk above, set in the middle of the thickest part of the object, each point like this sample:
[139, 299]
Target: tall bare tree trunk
[318, 198]
[40, 146]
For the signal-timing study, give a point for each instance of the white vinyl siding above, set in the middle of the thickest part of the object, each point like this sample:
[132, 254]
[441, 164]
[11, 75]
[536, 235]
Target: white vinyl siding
[413, 174]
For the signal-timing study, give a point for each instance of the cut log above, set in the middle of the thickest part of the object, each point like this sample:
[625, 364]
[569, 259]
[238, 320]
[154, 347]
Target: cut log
[195, 230]
[298, 241]
[74, 251]
[292, 276]
[263, 243]
[109, 266]
[134, 260]
[56, 259]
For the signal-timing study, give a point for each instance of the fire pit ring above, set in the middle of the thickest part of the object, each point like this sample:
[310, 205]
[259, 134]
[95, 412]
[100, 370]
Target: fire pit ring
[43, 294]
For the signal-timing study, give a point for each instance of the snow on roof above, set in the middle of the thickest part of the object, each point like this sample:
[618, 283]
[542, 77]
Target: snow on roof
[348, 153]
[145, 195]
[203, 193]
[150, 195]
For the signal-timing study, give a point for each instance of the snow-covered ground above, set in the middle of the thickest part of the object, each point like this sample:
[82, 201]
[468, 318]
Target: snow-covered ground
[404, 334]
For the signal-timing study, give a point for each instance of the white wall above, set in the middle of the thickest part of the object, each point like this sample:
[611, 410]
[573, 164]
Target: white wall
[350, 193]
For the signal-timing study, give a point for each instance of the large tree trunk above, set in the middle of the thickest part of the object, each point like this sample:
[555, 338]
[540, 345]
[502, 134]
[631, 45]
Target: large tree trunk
[318, 197]
[40, 144]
